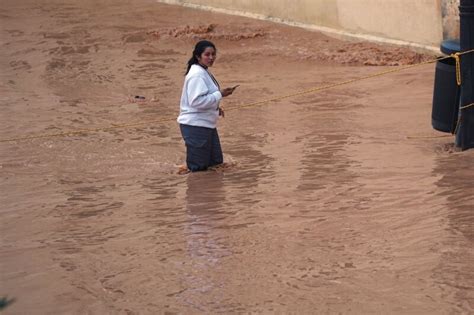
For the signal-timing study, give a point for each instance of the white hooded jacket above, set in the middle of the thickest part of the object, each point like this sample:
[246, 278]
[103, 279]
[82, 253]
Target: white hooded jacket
[200, 99]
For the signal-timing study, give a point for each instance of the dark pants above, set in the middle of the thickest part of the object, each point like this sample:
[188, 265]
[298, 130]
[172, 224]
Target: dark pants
[203, 148]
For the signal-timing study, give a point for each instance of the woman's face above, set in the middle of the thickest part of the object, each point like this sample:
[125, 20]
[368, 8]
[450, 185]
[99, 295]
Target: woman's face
[208, 57]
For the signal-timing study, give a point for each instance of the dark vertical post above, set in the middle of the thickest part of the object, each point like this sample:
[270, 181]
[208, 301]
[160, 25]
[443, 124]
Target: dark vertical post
[465, 134]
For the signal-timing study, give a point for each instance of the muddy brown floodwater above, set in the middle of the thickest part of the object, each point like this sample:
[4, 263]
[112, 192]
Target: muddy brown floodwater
[333, 202]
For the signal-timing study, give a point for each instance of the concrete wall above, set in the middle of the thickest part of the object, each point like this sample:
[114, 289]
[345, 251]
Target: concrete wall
[417, 21]
[420, 23]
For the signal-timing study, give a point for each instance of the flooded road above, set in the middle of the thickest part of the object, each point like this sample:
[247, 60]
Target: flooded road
[333, 202]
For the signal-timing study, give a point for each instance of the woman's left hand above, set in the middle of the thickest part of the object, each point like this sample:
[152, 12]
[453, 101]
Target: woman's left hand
[221, 112]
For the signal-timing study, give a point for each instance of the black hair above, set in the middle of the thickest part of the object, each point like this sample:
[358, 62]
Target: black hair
[198, 50]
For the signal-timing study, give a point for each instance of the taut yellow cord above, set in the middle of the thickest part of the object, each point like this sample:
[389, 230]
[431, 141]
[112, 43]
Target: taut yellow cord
[458, 68]
[456, 56]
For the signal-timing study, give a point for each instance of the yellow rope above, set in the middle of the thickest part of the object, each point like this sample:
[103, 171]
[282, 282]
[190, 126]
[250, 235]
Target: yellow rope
[329, 86]
[429, 137]
[458, 122]
[459, 82]
[81, 131]
[312, 90]
[458, 68]
[466, 106]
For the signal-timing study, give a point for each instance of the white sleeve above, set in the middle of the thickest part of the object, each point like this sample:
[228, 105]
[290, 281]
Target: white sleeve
[199, 96]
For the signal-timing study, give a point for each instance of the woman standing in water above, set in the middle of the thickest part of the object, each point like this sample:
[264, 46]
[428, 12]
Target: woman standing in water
[199, 109]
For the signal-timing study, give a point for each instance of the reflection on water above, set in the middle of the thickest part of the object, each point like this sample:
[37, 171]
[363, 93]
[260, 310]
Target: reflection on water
[204, 199]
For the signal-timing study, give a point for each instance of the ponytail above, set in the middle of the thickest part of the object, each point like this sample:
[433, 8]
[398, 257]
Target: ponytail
[191, 62]
[198, 50]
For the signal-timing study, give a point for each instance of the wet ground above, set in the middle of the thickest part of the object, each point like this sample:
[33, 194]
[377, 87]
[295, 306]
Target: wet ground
[332, 202]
